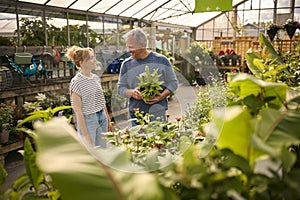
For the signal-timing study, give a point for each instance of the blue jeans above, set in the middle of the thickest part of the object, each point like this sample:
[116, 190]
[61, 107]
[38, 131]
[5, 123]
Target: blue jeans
[96, 124]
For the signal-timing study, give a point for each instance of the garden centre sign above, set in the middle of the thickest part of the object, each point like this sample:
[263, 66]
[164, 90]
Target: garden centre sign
[212, 5]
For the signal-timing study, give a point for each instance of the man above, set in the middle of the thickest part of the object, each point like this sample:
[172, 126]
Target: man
[136, 43]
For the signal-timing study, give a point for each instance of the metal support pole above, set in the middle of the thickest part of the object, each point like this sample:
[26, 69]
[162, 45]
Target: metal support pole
[153, 36]
[87, 30]
[68, 30]
[45, 27]
[18, 25]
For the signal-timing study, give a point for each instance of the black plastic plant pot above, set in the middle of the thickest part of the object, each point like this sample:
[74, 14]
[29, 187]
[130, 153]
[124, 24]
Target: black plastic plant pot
[272, 32]
[290, 29]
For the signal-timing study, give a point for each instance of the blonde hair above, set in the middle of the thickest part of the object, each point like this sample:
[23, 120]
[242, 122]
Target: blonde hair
[77, 54]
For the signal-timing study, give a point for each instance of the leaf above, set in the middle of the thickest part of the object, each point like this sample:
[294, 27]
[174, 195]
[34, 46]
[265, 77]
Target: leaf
[235, 130]
[78, 175]
[278, 128]
[36, 176]
[272, 54]
[233, 160]
[250, 57]
[59, 108]
[3, 174]
[34, 117]
[288, 159]
[248, 85]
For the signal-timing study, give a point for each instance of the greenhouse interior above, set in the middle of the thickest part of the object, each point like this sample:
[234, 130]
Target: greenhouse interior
[229, 129]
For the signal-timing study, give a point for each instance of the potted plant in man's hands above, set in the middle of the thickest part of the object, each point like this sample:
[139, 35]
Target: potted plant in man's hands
[149, 84]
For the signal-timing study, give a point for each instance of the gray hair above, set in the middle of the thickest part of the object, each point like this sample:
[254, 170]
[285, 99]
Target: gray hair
[138, 35]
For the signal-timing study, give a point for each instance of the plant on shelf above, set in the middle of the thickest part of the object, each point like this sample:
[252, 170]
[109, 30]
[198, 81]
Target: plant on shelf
[6, 121]
[149, 84]
[228, 58]
[177, 34]
[198, 54]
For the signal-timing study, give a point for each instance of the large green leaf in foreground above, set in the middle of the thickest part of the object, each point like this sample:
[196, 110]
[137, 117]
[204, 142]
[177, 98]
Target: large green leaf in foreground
[78, 175]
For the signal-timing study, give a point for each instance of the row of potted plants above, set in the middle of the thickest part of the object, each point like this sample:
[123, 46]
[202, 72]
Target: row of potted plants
[199, 55]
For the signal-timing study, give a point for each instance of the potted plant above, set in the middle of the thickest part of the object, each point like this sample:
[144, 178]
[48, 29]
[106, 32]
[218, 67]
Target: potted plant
[199, 55]
[6, 121]
[149, 84]
[177, 34]
[291, 27]
[272, 31]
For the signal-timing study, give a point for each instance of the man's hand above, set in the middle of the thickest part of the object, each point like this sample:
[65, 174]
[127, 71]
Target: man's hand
[159, 97]
[136, 94]
[155, 99]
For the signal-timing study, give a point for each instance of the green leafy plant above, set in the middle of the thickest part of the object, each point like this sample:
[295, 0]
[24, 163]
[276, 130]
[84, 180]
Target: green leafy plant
[34, 184]
[198, 54]
[265, 64]
[149, 84]
[69, 165]
[152, 138]
[6, 115]
[44, 115]
[291, 76]
[210, 97]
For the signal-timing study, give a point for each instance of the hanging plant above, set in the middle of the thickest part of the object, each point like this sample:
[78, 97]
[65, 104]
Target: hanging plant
[291, 27]
[272, 31]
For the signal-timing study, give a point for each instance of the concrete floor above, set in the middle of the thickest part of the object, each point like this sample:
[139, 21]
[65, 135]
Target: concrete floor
[15, 168]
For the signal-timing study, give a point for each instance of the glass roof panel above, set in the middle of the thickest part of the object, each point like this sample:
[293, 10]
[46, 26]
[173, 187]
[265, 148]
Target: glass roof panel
[149, 8]
[83, 5]
[121, 6]
[138, 6]
[172, 10]
[60, 3]
[165, 11]
[104, 5]
[35, 1]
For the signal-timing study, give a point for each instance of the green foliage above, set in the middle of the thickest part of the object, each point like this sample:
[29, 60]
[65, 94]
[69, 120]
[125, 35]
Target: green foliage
[256, 94]
[198, 54]
[4, 41]
[291, 76]
[45, 115]
[78, 175]
[6, 114]
[50, 101]
[3, 174]
[150, 142]
[208, 98]
[32, 32]
[33, 185]
[266, 64]
[149, 84]
[224, 175]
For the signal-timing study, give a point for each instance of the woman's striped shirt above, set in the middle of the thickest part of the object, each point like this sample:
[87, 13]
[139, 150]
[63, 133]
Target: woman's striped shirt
[90, 90]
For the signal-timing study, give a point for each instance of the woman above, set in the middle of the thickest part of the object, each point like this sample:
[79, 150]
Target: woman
[87, 98]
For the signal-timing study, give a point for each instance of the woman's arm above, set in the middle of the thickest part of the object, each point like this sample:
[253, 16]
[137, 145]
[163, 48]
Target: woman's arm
[77, 107]
[109, 128]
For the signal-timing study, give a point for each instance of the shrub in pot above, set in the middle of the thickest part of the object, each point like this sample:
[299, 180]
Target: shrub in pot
[6, 121]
